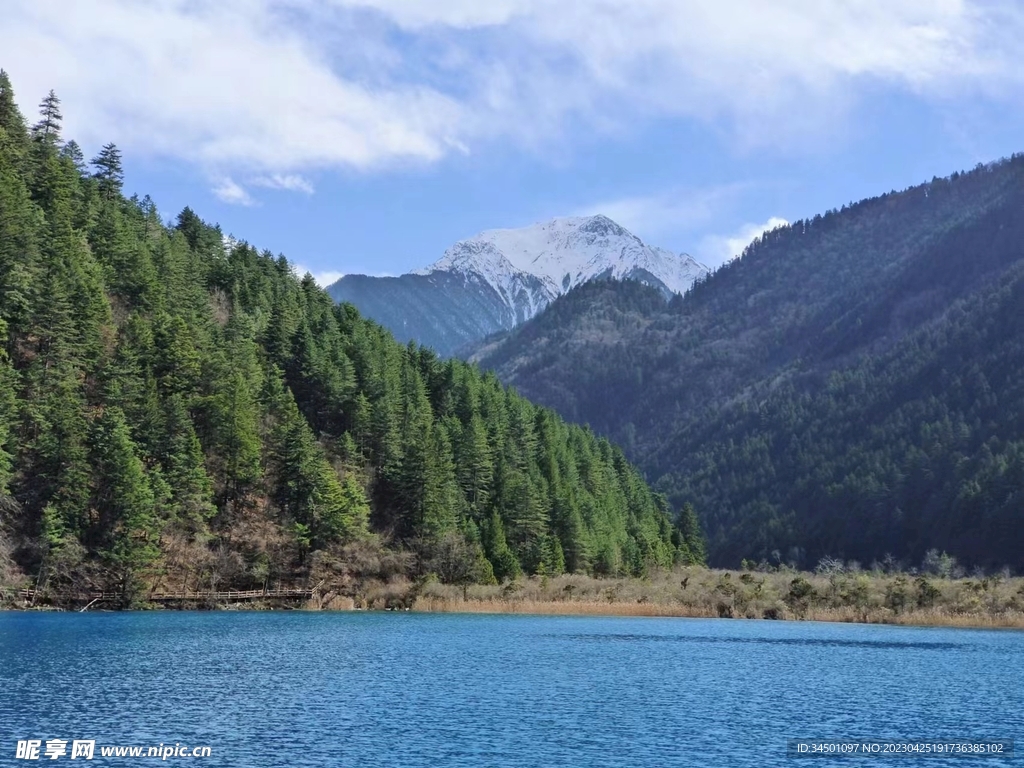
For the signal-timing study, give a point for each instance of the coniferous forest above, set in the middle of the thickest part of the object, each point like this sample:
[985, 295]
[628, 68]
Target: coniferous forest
[851, 387]
[179, 410]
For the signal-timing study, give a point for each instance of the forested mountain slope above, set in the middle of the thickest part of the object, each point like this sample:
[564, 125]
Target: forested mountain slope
[182, 413]
[850, 387]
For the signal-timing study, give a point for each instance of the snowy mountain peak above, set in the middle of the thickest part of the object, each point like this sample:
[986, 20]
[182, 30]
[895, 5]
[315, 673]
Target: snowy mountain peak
[560, 254]
[503, 277]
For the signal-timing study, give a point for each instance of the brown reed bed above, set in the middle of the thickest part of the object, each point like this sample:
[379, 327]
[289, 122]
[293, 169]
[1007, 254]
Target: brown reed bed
[842, 595]
[859, 597]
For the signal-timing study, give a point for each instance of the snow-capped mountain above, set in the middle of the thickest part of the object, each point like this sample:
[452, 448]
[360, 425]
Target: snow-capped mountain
[562, 253]
[502, 277]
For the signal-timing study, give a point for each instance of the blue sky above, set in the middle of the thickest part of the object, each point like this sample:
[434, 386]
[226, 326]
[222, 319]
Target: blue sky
[369, 135]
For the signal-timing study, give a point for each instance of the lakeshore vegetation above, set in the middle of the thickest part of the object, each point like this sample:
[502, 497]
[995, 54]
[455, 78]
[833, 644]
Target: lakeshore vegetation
[833, 593]
[179, 411]
[870, 597]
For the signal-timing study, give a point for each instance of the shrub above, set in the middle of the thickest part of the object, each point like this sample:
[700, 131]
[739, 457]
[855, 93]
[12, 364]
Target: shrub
[800, 589]
[896, 594]
[927, 594]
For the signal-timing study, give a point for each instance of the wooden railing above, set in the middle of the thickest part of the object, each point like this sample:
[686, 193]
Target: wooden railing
[228, 596]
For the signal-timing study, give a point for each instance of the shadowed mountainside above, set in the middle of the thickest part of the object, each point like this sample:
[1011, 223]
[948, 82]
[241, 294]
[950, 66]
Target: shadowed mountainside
[849, 387]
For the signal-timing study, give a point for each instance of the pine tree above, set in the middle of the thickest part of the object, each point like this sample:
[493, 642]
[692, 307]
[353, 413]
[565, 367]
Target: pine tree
[109, 173]
[126, 503]
[692, 536]
[11, 121]
[324, 509]
[19, 252]
[180, 274]
[8, 410]
[234, 380]
[475, 467]
[362, 428]
[66, 261]
[552, 559]
[128, 377]
[126, 261]
[47, 130]
[573, 533]
[74, 155]
[191, 226]
[55, 469]
[442, 499]
[522, 503]
[177, 362]
[190, 487]
[236, 419]
[503, 560]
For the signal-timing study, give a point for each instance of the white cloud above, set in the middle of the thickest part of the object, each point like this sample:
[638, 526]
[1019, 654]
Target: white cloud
[651, 216]
[462, 14]
[291, 182]
[231, 86]
[718, 249]
[769, 70]
[325, 278]
[322, 278]
[229, 191]
[271, 89]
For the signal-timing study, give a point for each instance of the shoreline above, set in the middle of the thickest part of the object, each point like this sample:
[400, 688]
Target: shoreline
[845, 596]
[555, 608]
[618, 610]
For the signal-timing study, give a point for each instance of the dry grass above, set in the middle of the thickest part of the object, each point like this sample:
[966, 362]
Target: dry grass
[368, 578]
[552, 608]
[873, 598]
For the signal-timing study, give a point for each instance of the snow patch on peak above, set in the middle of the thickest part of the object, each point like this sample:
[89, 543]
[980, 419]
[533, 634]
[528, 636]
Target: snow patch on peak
[559, 255]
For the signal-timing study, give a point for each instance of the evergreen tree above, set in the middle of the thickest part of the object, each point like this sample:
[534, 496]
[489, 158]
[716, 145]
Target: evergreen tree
[11, 122]
[109, 173]
[192, 227]
[691, 546]
[47, 130]
[19, 253]
[73, 154]
[8, 405]
[506, 566]
[183, 464]
[129, 382]
[177, 361]
[476, 470]
[56, 469]
[442, 500]
[324, 508]
[125, 501]
[236, 420]
[126, 261]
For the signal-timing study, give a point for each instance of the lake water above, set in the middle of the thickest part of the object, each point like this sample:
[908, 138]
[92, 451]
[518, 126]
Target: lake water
[386, 689]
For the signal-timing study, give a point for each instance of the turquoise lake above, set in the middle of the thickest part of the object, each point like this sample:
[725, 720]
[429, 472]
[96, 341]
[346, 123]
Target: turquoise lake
[389, 689]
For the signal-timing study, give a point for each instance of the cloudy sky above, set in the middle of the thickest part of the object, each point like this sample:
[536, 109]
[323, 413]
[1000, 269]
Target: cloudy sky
[368, 135]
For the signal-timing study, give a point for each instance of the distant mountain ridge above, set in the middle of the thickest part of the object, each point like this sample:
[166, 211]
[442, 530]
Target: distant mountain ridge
[849, 387]
[503, 277]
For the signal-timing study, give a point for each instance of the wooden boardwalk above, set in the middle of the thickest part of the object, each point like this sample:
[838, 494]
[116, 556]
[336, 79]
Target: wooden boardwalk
[184, 596]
